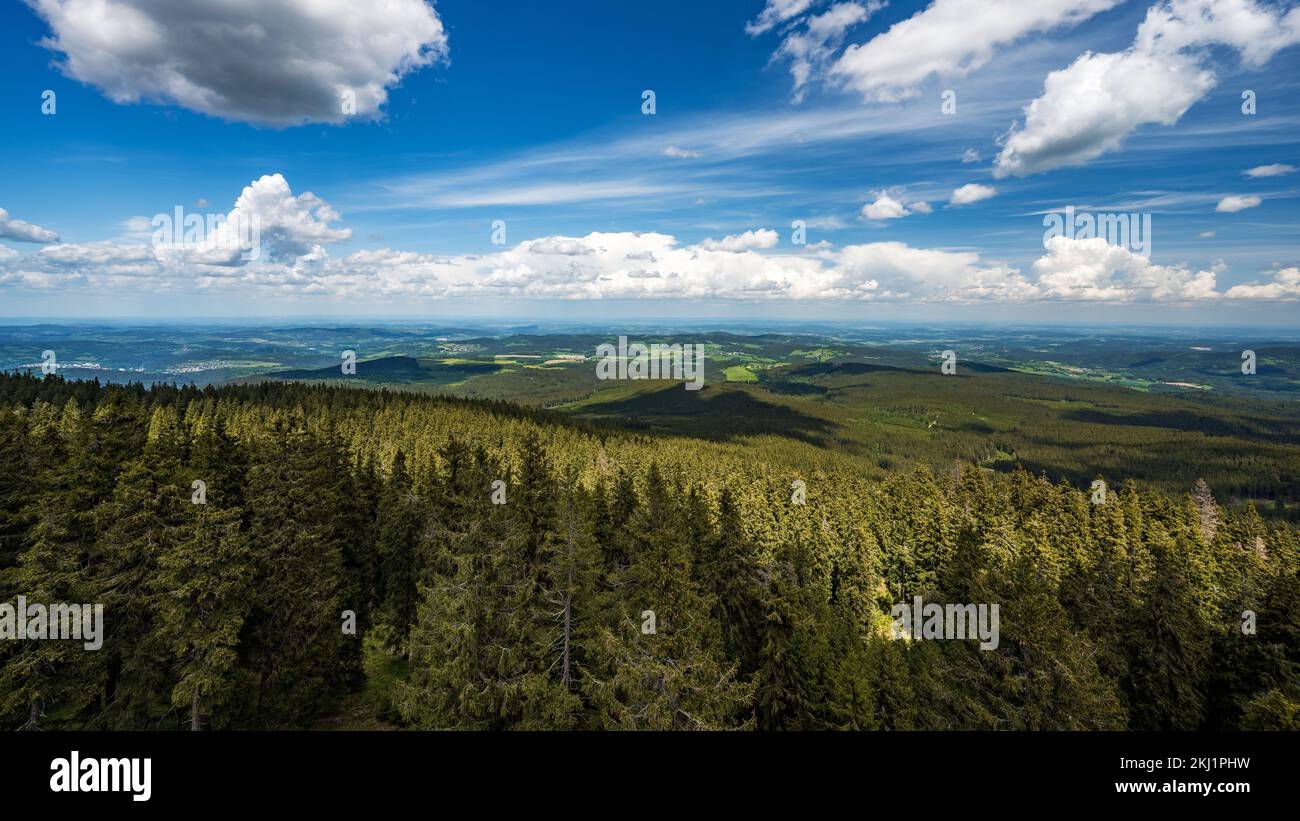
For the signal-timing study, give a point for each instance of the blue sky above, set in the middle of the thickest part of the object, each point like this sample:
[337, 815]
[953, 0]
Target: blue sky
[531, 114]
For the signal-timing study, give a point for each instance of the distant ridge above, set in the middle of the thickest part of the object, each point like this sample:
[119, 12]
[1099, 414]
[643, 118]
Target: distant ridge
[386, 368]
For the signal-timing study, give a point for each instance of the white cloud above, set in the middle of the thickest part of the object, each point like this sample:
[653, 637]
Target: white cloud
[273, 62]
[561, 246]
[40, 280]
[970, 155]
[98, 263]
[289, 226]
[809, 48]
[598, 170]
[1206, 235]
[1090, 107]
[1234, 203]
[950, 38]
[895, 271]
[543, 193]
[972, 192]
[1274, 170]
[886, 207]
[829, 222]
[1094, 270]
[596, 266]
[777, 12]
[1285, 285]
[676, 152]
[763, 238]
[1252, 28]
[622, 265]
[24, 231]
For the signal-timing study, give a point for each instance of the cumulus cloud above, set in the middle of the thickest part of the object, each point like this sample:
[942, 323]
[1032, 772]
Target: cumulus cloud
[596, 266]
[1256, 30]
[970, 155]
[895, 271]
[1234, 203]
[618, 265]
[291, 224]
[972, 192]
[1274, 170]
[764, 238]
[100, 255]
[886, 207]
[561, 246]
[1090, 108]
[274, 62]
[1284, 285]
[1094, 270]
[268, 221]
[950, 38]
[24, 231]
[888, 271]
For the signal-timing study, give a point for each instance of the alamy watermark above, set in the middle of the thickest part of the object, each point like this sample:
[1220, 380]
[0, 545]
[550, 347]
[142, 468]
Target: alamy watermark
[77, 774]
[209, 232]
[920, 621]
[1131, 231]
[61, 622]
[656, 361]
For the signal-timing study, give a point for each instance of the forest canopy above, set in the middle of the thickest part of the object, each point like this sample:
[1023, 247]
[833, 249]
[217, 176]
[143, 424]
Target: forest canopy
[505, 568]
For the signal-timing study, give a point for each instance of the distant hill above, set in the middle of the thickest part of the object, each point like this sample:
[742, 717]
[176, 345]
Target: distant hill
[394, 369]
[391, 368]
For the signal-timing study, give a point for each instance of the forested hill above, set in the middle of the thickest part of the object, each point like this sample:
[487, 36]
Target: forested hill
[508, 569]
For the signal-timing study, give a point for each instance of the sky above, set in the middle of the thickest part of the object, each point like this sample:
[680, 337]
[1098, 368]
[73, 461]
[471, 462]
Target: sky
[791, 159]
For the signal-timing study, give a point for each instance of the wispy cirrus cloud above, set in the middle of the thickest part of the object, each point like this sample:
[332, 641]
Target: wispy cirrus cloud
[950, 39]
[776, 12]
[1273, 170]
[811, 44]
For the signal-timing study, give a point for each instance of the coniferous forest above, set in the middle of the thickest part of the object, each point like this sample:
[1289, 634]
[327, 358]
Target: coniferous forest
[290, 556]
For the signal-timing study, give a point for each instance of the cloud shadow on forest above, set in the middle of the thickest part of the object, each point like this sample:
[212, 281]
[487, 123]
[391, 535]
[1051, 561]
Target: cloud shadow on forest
[713, 413]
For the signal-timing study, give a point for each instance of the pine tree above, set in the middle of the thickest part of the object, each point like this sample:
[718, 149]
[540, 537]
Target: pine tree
[41, 677]
[135, 526]
[1166, 682]
[204, 594]
[455, 646]
[675, 676]
[731, 571]
[401, 527]
[791, 682]
[294, 633]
